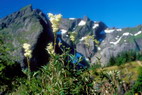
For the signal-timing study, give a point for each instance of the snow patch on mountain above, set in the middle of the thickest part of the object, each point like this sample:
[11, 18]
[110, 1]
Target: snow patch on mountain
[118, 29]
[95, 25]
[119, 39]
[112, 30]
[138, 33]
[109, 30]
[72, 18]
[127, 34]
[115, 43]
[82, 23]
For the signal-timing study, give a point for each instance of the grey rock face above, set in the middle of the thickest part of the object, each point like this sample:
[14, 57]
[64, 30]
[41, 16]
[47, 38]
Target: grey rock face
[27, 26]
[72, 25]
[112, 40]
[117, 42]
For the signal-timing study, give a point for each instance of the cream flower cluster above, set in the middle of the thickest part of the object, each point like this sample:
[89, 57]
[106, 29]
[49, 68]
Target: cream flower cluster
[55, 20]
[72, 38]
[87, 38]
[50, 48]
[73, 35]
[27, 50]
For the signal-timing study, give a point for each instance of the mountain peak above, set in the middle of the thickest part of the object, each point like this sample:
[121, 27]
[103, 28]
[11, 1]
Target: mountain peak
[27, 9]
[86, 18]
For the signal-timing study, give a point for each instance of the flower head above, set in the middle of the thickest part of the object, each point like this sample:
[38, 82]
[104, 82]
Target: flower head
[27, 51]
[73, 35]
[50, 48]
[55, 20]
[26, 46]
[72, 38]
[50, 15]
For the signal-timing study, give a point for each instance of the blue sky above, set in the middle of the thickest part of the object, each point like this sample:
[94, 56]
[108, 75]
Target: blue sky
[115, 13]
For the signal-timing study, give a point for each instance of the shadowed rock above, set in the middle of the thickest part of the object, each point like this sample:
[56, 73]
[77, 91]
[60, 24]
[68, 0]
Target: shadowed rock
[27, 26]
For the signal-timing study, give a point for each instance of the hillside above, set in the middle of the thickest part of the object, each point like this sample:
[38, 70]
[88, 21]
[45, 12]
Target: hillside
[129, 70]
[114, 79]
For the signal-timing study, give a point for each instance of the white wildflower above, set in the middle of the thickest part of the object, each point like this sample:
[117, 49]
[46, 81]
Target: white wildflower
[27, 51]
[26, 46]
[55, 20]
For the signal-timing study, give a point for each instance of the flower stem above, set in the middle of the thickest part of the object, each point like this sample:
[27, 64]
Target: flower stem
[29, 71]
[54, 41]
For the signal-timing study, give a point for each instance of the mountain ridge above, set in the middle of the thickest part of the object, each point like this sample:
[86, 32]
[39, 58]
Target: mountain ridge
[32, 26]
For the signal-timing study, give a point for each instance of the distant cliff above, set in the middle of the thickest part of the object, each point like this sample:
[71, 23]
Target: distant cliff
[112, 41]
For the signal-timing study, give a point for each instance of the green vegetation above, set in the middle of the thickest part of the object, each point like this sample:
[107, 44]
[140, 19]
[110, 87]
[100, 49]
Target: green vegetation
[130, 69]
[137, 87]
[125, 57]
[7, 74]
[56, 78]
[59, 79]
[134, 29]
[131, 38]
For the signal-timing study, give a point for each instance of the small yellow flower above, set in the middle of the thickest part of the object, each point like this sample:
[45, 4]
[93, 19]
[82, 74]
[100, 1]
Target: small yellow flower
[73, 35]
[72, 38]
[50, 48]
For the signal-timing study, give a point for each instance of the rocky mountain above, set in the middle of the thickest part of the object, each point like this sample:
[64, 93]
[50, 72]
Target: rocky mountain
[32, 26]
[112, 41]
[27, 26]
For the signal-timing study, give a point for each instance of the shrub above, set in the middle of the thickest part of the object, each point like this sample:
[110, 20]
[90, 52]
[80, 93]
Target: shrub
[137, 88]
[9, 69]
